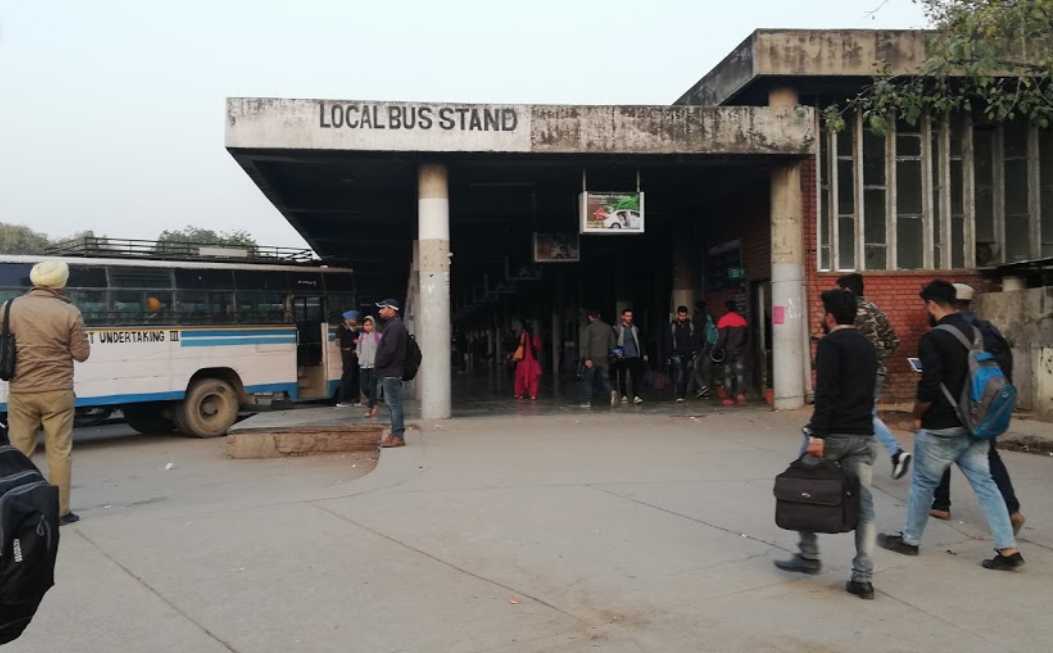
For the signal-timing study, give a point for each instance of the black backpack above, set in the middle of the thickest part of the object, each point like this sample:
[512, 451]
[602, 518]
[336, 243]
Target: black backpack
[29, 539]
[7, 346]
[411, 363]
[817, 496]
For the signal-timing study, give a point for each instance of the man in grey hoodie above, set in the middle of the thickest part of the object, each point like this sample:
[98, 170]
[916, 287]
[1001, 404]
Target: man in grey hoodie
[597, 340]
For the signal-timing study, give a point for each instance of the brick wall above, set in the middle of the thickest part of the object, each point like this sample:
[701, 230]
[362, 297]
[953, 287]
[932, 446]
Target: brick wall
[896, 293]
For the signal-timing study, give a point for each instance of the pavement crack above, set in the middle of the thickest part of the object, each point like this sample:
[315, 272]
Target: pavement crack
[690, 518]
[446, 563]
[183, 613]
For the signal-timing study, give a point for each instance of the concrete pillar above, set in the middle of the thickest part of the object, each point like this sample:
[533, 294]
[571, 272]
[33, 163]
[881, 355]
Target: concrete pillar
[557, 335]
[1013, 283]
[789, 311]
[684, 276]
[433, 314]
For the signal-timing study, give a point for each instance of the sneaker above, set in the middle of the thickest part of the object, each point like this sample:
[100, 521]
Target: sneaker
[800, 565]
[1004, 563]
[625, 399]
[896, 544]
[703, 392]
[391, 441]
[68, 518]
[679, 400]
[585, 405]
[900, 464]
[728, 402]
[945, 515]
[341, 404]
[637, 400]
[860, 589]
[614, 398]
[741, 400]
[1018, 522]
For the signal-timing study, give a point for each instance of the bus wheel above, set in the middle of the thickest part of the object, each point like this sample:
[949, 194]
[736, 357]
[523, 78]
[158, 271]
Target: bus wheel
[147, 418]
[210, 407]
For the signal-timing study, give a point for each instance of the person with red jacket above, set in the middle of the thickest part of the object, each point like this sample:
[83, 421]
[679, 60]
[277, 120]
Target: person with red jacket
[731, 342]
[528, 368]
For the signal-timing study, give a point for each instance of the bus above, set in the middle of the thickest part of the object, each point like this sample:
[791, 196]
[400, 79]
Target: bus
[183, 339]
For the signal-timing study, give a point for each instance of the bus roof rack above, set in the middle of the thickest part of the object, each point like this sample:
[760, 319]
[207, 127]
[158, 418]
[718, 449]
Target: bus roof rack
[104, 247]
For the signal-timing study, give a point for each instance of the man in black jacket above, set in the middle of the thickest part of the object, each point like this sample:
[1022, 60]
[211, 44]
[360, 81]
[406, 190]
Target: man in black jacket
[391, 352]
[942, 439]
[842, 429]
[996, 345]
[681, 343]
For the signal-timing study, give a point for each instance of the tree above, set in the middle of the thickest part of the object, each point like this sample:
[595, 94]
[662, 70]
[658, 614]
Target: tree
[20, 239]
[200, 236]
[988, 56]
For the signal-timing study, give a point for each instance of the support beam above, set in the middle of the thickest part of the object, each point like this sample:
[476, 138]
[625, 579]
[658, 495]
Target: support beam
[789, 311]
[433, 314]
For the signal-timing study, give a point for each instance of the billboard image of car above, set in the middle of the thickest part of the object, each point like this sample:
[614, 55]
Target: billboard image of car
[612, 213]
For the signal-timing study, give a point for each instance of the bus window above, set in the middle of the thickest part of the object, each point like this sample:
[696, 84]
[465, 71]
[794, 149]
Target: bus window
[92, 305]
[305, 282]
[337, 304]
[11, 293]
[130, 277]
[86, 276]
[339, 282]
[205, 307]
[128, 305]
[260, 280]
[204, 279]
[261, 306]
[15, 275]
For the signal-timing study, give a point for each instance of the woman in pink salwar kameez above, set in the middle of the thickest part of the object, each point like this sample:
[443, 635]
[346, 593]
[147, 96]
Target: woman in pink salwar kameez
[528, 369]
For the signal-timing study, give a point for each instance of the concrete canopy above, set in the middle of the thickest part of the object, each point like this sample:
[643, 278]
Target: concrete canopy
[344, 172]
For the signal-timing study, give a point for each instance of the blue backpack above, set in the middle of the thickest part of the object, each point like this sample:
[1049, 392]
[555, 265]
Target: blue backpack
[988, 398]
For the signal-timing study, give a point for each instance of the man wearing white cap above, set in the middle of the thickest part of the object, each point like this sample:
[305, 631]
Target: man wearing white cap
[997, 346]
[49, 336]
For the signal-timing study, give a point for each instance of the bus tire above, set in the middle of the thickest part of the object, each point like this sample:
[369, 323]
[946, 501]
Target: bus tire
[147, 419]
[208, 410]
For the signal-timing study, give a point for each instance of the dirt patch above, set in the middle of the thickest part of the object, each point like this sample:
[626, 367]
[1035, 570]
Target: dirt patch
[1027, 444]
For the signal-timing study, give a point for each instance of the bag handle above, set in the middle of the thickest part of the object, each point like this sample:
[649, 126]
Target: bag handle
[977, 343]
[7, 318]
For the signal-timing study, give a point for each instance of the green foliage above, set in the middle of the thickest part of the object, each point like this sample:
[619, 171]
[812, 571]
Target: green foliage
[989, 56]
[20, 239]
[200, 236]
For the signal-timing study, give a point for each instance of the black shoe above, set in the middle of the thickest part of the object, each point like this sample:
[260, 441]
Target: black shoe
[800, 565]
[1004, 563]
[68, 518]
[900, 464]
[896, 544]
[703, 392]
[862, 590]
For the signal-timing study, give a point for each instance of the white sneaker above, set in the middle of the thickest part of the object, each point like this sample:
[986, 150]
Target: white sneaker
[341, 404]
[679, 400]
[625, 399]
[614, 398]
[637, 400]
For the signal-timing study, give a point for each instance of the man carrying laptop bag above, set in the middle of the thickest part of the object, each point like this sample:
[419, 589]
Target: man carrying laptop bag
[839, 453]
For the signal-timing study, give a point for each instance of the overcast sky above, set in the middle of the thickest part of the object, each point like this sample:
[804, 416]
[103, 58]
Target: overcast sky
[111, 112]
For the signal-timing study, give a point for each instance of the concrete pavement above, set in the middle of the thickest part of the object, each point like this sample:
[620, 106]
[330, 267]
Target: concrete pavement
[568, 531]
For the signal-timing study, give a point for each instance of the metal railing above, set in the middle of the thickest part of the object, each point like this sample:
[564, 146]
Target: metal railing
[93, 246]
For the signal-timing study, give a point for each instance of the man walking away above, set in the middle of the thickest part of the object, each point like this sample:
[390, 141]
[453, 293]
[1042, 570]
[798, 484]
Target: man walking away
[350, 390]
[49, 334]
[874, 324]
[388, 363]
[842, 429]
[597, 340]
[996, 345]
[682, 345]
[630, 366]
[732, 340]
[703, 361]
[942, 439]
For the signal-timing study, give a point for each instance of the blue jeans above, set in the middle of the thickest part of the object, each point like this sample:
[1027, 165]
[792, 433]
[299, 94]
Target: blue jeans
[683, 366]
[392, 386]
[882, 432]
[933, 453]
[589, 375]
[856, 453]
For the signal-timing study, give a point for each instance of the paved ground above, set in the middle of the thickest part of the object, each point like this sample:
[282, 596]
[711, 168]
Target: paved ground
[563, 531]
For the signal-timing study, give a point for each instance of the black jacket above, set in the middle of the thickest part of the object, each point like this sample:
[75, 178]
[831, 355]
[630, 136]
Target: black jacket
[682, 338]
[943, 360]
[845, 372]
[348, 342]
[391, 352]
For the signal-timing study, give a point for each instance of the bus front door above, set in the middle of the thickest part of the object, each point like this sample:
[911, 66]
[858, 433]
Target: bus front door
[308, 313]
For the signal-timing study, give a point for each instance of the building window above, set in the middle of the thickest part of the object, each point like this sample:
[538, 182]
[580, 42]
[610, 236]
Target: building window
[824, 231]
[1045, 167]
[875, 218]
[1015, 195]
[909, 234]
[953, 131]
[844, 173]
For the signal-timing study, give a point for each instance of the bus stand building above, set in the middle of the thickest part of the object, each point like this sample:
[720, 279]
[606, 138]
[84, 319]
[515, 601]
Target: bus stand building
[483, 215]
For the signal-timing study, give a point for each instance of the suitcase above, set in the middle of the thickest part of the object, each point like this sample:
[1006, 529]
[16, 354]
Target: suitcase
[818, 496]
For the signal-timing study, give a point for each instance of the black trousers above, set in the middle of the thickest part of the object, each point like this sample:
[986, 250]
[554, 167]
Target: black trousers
[630, 374]
[350, 391]
[942, 498]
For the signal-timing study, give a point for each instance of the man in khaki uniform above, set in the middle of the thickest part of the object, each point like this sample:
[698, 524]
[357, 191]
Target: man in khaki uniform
[49, 336]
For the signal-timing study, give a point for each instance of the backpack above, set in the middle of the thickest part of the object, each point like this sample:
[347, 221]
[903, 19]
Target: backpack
[7, 345]
[818, 496]
[411, 363]
[29, 538]
[988, 398]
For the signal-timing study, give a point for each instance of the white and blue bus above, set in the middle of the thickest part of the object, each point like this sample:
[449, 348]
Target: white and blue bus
[184, 345]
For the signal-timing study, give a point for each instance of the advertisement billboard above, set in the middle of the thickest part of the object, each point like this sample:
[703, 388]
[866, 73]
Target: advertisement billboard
[557, 248]
[612, 214]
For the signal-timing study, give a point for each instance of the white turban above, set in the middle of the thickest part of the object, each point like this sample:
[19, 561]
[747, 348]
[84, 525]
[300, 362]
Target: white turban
[50, 274]
[963, 293]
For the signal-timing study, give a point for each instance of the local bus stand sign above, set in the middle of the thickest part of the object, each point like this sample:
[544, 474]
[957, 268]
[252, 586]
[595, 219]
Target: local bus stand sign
[613, 214]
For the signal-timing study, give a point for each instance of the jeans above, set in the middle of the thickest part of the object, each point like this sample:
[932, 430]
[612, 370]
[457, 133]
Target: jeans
[703, 369]
[856, 453]
[392, 386]
[630, 372]
[882, 432]
[933, 453]
[369, 385]
[589, 376]
[682, 369]
[942, 498]
[735, 375]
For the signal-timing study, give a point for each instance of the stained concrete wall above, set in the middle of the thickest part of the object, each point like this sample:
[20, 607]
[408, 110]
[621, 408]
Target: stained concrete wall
[1025, 317]
[271, 123]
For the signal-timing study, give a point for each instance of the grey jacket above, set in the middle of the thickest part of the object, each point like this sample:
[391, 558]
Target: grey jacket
[596, 342]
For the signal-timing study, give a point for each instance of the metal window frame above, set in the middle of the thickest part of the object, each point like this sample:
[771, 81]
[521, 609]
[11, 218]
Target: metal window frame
[1034, 193]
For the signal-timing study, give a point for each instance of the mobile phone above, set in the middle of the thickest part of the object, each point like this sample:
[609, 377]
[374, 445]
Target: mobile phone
[915, 364]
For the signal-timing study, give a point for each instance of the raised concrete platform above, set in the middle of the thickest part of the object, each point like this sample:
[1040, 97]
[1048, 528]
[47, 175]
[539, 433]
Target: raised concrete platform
[303, 440]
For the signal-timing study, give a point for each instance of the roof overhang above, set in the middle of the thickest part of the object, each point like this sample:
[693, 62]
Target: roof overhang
[806, 55]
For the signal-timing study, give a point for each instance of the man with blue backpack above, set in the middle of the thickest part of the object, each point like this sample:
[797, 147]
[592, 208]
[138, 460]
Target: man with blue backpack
[963, 402]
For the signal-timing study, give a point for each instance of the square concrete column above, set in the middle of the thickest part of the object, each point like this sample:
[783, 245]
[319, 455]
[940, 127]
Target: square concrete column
[789, 311]
[433, 313]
